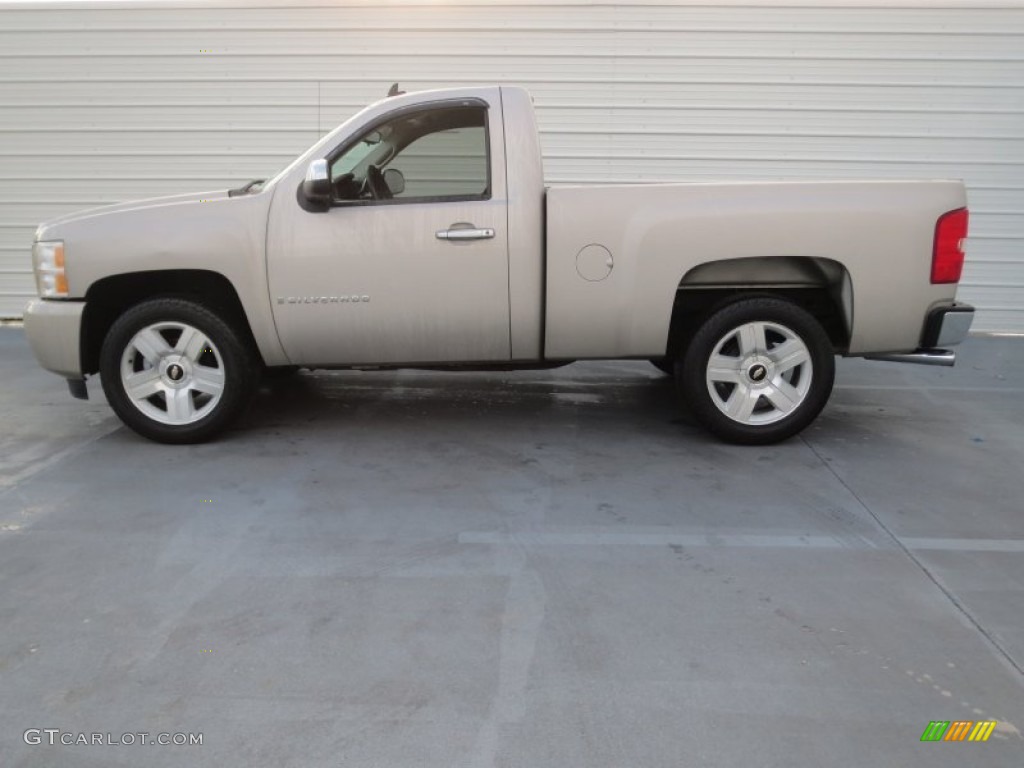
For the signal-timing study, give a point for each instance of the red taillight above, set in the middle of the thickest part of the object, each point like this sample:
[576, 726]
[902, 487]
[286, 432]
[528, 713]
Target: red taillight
[948, 251]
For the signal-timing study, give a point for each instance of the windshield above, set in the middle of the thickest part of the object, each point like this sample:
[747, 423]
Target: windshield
[348, 161]
[255, 185]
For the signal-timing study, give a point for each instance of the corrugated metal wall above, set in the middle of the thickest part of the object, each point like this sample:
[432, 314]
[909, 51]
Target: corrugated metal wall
[101, 102]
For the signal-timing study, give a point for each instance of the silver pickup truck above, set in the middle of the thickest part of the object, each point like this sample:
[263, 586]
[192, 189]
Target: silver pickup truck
[420, 234]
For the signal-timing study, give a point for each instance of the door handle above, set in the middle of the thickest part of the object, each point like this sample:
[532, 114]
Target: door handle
[465, 234]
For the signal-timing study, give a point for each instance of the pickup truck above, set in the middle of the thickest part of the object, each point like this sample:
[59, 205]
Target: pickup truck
[420, 233]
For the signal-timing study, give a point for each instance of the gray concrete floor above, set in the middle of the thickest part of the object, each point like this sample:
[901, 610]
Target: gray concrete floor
[522, 570]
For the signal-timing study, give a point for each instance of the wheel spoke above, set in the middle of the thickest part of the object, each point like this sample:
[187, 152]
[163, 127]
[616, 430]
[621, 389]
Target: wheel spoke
[747, 341]
[789, 355]
[179, 405]
[151, 345]
[143, 384]
[190, 344]
[751, 339]
[760, 338]
[208, 380]
[783, 395]
[741, 404]
[724, 369]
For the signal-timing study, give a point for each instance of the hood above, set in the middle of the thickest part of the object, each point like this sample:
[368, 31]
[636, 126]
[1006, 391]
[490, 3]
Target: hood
[152, 202]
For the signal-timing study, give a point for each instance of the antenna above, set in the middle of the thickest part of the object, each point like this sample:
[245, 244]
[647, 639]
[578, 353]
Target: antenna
[393, 90]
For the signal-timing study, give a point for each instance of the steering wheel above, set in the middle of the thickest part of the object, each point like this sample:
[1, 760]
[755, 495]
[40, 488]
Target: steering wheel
[346, 187]
[376, 185]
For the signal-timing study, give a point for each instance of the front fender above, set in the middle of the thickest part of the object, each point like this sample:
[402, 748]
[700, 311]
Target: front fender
[213, 233]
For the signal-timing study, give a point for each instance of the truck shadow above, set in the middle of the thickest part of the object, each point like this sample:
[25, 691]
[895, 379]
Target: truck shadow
[604, 394]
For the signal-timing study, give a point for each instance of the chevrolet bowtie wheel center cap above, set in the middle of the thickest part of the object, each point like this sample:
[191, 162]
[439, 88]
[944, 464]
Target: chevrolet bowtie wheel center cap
[757, 372]
[175, 372]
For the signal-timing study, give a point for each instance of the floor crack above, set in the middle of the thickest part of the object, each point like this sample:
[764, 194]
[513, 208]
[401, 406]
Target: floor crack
[992, 641]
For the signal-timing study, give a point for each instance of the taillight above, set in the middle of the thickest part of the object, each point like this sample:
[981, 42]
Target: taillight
[948, 250]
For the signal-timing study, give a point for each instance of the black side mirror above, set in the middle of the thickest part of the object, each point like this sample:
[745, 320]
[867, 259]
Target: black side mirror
[316, 187]
[395, 180]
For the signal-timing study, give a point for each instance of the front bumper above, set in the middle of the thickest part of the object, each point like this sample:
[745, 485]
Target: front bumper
[53, 328]
[945, 326]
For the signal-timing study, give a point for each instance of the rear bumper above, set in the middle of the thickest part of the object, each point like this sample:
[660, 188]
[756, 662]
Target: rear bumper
[945, 326]
[53, 329]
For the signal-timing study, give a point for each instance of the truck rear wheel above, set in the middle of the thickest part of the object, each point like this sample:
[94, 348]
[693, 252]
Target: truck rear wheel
[757, 371]
[175, 372]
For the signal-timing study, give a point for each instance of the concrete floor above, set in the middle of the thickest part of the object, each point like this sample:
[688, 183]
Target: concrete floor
[528, 570]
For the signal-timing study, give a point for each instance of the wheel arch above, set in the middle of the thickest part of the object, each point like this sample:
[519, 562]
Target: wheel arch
[822, 286]
[108, 298]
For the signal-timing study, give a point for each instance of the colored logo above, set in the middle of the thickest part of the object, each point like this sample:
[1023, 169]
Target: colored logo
[958, 730]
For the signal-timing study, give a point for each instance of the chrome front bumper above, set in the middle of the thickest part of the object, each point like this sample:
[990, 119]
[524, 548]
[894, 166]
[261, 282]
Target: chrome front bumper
[53, 328]
[945, 327]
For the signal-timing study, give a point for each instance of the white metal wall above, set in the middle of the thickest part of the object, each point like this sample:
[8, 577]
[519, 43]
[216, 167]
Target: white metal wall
[101, 102]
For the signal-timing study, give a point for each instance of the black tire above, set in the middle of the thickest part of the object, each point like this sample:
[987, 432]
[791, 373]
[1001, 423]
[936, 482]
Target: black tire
[696, 383]
[665, 364]
[234, 363]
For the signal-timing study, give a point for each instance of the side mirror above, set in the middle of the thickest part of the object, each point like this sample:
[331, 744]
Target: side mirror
[316, 187]
[395, 181]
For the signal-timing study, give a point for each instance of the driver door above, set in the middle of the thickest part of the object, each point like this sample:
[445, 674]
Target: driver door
[414, 271]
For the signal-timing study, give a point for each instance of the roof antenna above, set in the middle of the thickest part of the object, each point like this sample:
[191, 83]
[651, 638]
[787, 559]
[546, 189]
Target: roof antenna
[393, 90]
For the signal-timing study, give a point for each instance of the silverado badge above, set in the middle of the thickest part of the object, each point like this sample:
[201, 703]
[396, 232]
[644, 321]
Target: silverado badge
[321, 299]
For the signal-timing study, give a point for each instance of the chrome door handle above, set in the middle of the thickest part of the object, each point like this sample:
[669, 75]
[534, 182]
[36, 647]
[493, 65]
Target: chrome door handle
[464, 234]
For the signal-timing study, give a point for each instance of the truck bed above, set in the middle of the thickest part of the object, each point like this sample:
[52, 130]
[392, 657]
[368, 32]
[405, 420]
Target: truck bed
[617, 254]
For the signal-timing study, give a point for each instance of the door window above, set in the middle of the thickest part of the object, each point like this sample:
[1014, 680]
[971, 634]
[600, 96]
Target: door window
[438, 154]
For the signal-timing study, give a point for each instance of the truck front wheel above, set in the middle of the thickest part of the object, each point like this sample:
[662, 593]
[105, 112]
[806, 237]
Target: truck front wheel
[757, 371]
[176, 372]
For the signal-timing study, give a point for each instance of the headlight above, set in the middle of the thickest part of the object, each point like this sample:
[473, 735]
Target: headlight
[48, 261]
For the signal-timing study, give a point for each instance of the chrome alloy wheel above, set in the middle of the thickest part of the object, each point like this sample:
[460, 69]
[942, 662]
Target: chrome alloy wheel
[759, 373]
[172, 373]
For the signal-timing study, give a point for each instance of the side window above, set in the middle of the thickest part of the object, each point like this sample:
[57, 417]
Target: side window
[446, 163]
[433, 154]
